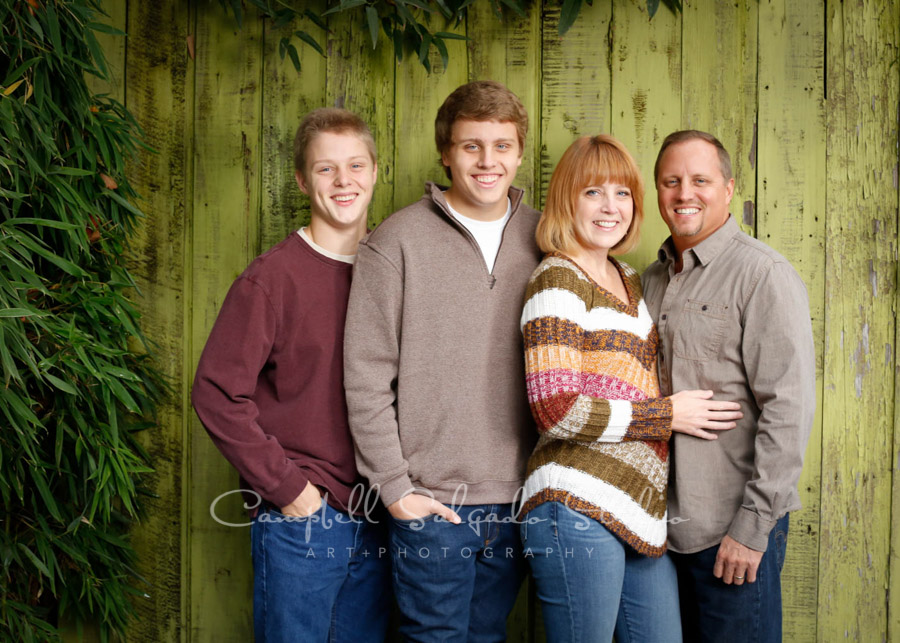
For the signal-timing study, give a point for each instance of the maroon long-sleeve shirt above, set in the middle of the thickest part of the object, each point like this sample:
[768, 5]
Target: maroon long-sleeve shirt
[269, 385]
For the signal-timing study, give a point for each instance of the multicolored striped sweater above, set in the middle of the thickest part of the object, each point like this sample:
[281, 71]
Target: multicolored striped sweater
[593, 389]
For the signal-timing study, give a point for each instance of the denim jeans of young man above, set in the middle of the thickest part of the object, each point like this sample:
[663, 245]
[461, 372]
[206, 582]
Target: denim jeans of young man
[321, 578]
[712, 611]
[591, 584]
[457, 582]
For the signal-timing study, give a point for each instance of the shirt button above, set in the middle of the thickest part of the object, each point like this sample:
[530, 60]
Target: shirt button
[704, 307]
[664, 316]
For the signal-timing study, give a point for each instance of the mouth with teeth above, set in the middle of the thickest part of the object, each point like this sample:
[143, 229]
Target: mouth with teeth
[487, 180]
[686, 212]
[344, 199]
[605, 225]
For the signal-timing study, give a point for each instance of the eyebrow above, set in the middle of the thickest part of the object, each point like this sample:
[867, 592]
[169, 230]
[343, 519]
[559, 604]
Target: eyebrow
[482, 141]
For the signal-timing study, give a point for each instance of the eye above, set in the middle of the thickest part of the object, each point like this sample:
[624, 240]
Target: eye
[358, 166]
[592, 192]
[670, 183]
[325, 169]
[624, 193]
[470, 147]
[503, 147]
[701, 181]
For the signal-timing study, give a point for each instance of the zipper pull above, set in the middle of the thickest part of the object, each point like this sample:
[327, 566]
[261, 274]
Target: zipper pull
[493, 281]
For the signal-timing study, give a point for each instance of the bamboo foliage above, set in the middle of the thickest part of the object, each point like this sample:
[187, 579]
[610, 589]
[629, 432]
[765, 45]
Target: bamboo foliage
[76, 381]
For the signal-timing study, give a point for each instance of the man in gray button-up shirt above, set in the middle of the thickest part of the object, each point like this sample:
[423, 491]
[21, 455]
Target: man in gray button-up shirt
[733, 317]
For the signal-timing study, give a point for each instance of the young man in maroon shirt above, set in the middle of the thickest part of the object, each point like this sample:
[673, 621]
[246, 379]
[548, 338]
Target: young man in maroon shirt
[269, 391]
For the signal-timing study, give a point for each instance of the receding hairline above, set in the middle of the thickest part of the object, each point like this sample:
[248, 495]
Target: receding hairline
[686, 136]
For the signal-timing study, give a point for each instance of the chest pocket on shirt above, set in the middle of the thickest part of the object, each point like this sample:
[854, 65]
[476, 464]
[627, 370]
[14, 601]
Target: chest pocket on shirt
[700, 330]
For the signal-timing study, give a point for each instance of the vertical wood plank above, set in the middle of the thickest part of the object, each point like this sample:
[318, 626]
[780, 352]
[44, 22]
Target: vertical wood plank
[721, 98]
[509, 52]
[113, 49]
[861, 291]
[159, 95]
[362, 81]
[790, 208]
[286, 98]
[646, 100]
[417, 99]
[576, 79]
[225, 238]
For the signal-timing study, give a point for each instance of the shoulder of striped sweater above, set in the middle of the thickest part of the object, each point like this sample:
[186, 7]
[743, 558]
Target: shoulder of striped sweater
[555, 261]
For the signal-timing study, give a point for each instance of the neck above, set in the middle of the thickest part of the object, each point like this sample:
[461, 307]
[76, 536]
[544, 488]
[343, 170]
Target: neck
[492, 213]
[341, 241]
[596, 262]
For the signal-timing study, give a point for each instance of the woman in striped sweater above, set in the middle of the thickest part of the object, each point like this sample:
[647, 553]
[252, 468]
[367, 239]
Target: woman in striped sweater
[594, 503]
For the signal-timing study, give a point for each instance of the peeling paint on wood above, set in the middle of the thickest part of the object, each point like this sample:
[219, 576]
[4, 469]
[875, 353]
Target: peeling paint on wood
[812, 180]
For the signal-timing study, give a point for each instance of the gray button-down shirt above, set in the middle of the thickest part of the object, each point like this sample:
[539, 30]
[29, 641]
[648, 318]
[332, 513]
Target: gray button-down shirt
[735, 320]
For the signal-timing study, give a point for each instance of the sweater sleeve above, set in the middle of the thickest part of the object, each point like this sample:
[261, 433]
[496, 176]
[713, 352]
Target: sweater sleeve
[222, 395]
[371, 367]
[557, 379]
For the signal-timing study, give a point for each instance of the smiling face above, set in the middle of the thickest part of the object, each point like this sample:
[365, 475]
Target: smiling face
[692, 193]
[339, 178]
[603, 214]
[483, 158]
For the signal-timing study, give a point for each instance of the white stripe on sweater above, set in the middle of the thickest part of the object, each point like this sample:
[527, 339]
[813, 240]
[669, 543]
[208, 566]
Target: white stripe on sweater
[599, 493]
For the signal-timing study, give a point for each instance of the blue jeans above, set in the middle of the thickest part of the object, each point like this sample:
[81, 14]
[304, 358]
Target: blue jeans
[591, 584]
[750, 612]
[321, 578]
[457, 582]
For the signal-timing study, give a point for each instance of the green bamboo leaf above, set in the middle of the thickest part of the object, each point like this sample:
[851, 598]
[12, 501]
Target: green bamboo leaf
[37, 475]
[417, 3]
[123, 395]
[16, 73]
[122, 373]
[372, 18]
[449, 35]
[47, 223]
[568, 14]
[442, 50]
[20, 312]
[516, 7]
[316, 19]
[35, 560]
[62, 385]
[295, 59]
[652, 7]
[305, 37]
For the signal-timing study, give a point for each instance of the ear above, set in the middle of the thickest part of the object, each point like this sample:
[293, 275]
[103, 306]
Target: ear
[375, 173]
[301, 182]
[729, 190]
[444, 160]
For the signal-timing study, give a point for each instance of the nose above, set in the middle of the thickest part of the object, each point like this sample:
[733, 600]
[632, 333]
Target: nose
[341, 176]
[486, 159]
[685, 191]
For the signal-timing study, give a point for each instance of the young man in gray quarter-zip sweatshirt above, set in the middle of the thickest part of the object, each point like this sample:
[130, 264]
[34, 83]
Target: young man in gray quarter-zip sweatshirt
[434, 373]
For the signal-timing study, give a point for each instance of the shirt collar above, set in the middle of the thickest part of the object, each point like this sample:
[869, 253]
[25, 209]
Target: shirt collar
[706, 250]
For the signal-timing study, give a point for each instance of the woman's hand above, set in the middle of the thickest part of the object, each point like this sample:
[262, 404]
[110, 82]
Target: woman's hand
[696, 413]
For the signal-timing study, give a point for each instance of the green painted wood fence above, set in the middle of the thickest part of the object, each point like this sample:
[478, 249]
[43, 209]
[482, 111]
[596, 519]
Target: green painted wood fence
[804, 93]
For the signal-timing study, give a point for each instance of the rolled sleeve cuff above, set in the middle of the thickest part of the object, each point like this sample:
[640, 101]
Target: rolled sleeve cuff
[394, 489]
[751, 530]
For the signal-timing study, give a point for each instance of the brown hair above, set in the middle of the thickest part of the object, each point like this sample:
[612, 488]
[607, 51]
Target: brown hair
[690, 135]
[481, 100]
[590, 160]
[334, 120]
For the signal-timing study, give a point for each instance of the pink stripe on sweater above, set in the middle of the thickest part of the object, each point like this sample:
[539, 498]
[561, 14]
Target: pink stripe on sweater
[560, 380]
